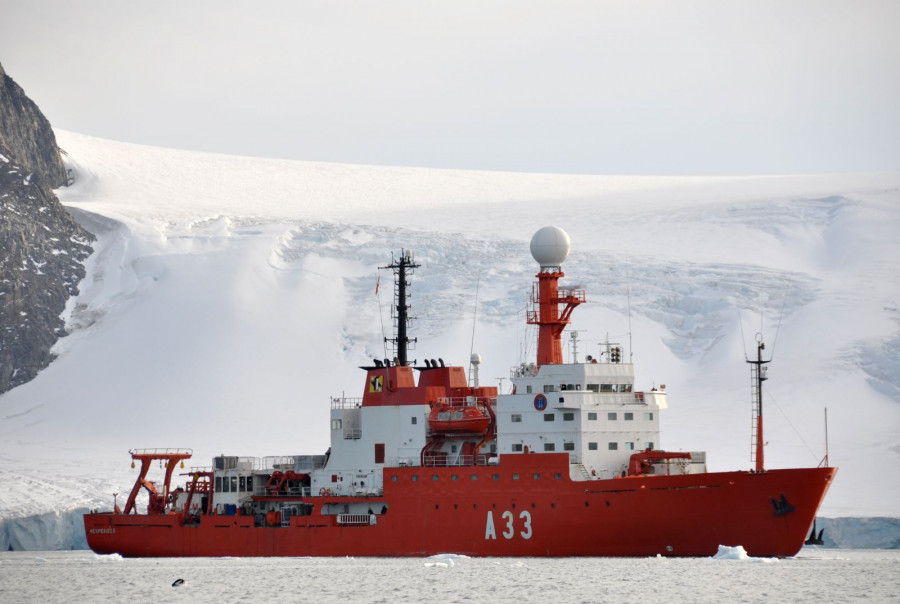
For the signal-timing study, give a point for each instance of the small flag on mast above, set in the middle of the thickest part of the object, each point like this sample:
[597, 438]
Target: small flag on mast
[377, 284]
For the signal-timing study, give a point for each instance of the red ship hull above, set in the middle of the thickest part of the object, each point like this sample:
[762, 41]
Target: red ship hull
[524, 506]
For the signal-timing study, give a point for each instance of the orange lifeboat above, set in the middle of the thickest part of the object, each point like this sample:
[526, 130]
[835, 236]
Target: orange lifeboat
[470, 419]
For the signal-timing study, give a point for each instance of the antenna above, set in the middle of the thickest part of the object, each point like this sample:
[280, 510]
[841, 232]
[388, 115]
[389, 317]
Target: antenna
[757, 377]
[472, 345]
[630, 347]
[400, 341]
[573, 335]
[825, 461]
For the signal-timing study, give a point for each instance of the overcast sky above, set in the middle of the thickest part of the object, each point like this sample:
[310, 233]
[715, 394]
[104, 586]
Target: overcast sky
[599, 87]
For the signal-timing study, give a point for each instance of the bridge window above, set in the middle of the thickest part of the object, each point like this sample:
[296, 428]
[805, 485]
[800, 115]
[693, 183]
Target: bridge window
[568, 446]
[517, 447]
[568, 417]
[629, 446]
[593, 387]
[242, 484]
[528, 389]
[624, 387]
[516, 418]
[549, 417]
[629, 417]
[606, 387]
[548, 387]
[549, 446]
[648, 445]
[234, 484]
[592, 416]
[250, 483]
[218, 484]
[648, 416]
[613, 446]
[611, 417]
[592, 446]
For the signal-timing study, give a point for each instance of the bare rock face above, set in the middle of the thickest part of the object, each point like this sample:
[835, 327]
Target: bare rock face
[27, 134]
[42, 248]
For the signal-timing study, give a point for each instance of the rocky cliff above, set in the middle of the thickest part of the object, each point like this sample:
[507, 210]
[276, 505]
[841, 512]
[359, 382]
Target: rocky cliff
[42, 248]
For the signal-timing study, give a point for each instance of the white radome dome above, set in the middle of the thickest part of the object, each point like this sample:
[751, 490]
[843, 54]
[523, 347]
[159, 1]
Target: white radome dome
[550, 246]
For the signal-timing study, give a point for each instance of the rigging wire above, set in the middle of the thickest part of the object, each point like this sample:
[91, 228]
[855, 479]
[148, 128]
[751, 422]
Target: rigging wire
[771, 400]
[381, 313]
[777, 329]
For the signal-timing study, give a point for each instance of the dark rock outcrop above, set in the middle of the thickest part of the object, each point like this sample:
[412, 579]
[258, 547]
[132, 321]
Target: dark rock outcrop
[42, 248]
[27, 133]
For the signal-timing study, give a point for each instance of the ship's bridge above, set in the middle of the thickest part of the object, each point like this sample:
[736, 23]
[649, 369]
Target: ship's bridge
[590, 410]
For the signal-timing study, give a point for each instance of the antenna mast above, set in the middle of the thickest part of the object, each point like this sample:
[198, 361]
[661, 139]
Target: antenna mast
[400, 311]
[757, 377]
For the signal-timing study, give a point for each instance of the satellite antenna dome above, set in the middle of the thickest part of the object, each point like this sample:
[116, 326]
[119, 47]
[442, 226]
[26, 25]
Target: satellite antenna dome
[476, 359]
[550, 246]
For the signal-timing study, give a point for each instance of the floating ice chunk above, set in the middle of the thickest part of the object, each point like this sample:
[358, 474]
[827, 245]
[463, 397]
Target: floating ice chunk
[731, 553]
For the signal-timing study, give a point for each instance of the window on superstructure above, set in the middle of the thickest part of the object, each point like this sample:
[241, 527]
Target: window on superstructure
[629, 446]
[606, 388]
[335, 424]
[225, 484]
[218, 484]
[648, 416]
[624, 387]
[549, 446]
[612, 417]
[593, 387]
[516, 418]
[517, 447]
[613, 446]
[592, 416]
[592, 446]
[568, 417]
[528, 389]
[648, 445]
[453, 448]
[250, 483]
[549, 417]
[493, 448]
[242, 484]
[234, 484]
[414, 420]
[548, 387]
[568, 446]
[629, 417]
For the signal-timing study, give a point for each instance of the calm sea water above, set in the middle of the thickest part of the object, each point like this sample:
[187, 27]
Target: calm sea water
[816, 575]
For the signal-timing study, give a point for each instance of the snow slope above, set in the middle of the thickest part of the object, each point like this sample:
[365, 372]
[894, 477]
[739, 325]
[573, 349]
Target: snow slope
[229, 297]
